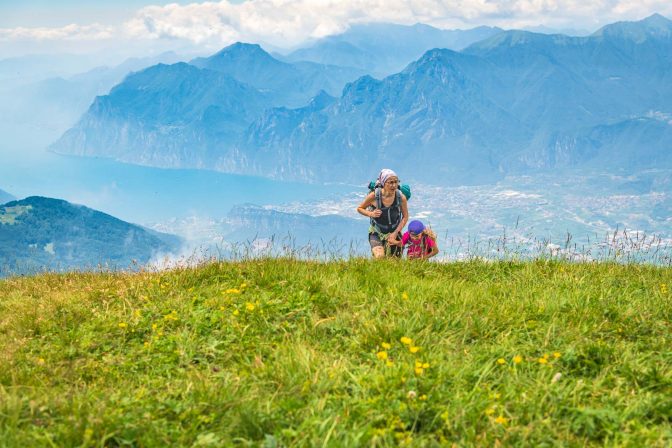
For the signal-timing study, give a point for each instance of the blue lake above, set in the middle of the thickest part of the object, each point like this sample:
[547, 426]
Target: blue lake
[142, 194]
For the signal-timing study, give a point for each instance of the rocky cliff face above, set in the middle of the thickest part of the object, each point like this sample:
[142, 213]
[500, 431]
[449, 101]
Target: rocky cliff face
[168, 115]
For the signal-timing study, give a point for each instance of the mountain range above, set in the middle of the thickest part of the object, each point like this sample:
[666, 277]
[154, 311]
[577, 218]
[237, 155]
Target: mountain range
[514, 102]
[286, 84]
[40, 233]
[382, 49]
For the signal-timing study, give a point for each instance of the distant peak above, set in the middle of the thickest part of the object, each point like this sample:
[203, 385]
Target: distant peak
[431, 57]
[321, 95]
[321, 100]
[656, 19]
[437, 53]
[241, 48]
[362, 84]
[654, 25]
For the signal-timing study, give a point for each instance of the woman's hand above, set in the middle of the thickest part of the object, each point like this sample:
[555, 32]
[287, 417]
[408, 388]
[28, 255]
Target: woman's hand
[376, 213]
[392, 239]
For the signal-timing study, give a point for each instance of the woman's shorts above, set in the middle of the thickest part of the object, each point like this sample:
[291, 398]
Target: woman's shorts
[393, 250]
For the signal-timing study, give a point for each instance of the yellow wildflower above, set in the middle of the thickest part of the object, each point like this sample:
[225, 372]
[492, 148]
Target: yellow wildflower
[501, 361]
[235, 312]
[154, 327]
[517, 359]
[249, 306]
[501, 420]
[386, 346]
[423, 397]
[418, 364]
[414, 349]
[543, 360]
[425, 365]
[40, 360]
[232, 291]
[556, 355]
[404, 295]
[419, 370]
[489, 411]
[243, 286]
[406, 340]
[389, 363]
[381, 355]
[122, 325]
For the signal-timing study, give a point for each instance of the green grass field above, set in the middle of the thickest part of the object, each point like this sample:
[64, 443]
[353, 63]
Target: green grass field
[281, 352]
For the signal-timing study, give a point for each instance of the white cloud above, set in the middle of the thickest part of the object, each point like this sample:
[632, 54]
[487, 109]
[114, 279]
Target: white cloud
[287, 23]
[95, 31]
[290, 22]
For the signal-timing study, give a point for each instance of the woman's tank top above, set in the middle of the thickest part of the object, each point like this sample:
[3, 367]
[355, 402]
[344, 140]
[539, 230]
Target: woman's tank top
[390, 217]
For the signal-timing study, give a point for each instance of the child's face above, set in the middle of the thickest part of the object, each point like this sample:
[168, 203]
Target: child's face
[415, 236]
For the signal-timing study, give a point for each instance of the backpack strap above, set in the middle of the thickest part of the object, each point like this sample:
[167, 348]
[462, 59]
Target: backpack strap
[379, 203]
[379, 198]
[397, 204]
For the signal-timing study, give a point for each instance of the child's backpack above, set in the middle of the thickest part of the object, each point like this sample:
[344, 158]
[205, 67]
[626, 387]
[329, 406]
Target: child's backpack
[428, 233]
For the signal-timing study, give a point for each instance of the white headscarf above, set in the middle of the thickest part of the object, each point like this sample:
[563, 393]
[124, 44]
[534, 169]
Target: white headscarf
[385, 174]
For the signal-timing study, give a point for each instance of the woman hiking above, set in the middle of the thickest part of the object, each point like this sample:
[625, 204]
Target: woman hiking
[388, 210]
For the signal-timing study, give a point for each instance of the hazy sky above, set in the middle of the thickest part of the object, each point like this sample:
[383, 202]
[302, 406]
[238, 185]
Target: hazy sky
[42, 26]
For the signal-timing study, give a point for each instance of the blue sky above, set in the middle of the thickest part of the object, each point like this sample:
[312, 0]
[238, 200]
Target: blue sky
[30, 13]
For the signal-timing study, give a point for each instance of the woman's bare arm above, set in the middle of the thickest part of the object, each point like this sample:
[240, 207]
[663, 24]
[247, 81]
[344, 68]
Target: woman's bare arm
[368, 201]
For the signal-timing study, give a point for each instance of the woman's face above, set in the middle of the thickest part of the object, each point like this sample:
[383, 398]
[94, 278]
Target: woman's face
[391, 184]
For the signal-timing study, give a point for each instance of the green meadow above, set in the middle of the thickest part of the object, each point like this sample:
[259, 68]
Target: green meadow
[281, 352]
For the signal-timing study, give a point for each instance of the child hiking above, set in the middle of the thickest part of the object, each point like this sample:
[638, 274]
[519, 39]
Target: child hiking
[387, 208]
[420, 240]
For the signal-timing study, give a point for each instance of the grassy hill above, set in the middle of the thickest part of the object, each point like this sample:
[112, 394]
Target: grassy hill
[292, 353]
[38, 233]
